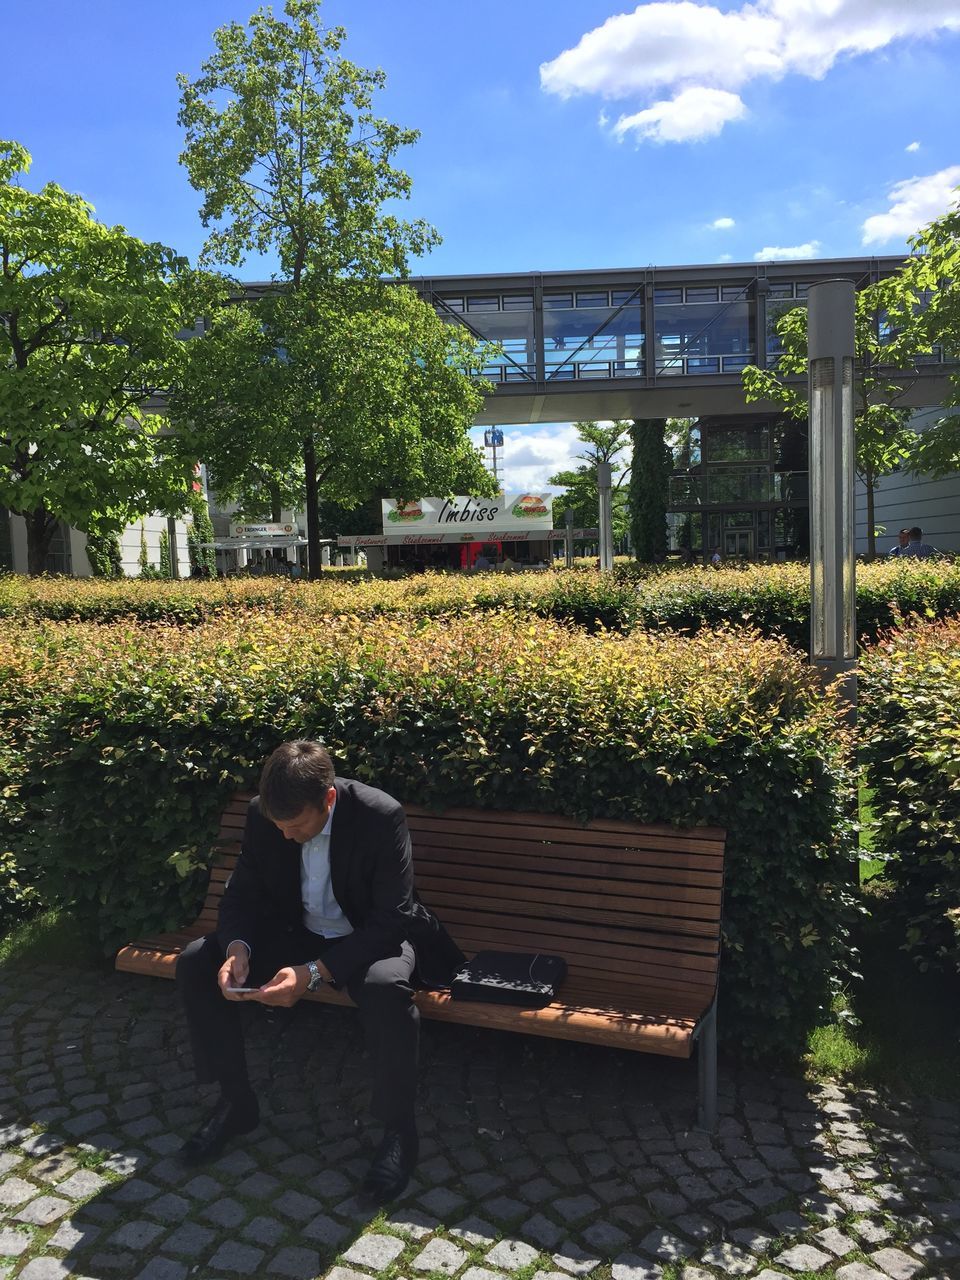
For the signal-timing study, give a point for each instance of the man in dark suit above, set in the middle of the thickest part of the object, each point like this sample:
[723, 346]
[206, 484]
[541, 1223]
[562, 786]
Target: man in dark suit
[322, 893]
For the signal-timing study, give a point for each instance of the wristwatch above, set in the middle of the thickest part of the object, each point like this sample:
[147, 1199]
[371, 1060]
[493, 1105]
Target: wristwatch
[316, 977]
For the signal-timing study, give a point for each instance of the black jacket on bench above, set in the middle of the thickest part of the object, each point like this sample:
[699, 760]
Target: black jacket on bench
[371, 868]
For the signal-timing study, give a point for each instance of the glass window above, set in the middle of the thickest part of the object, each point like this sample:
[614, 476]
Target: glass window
[593, 342]
[452, 304]
[733, 292]
[553, 301]
[619, 297]
[489, 302]
[737, 443]
[777, 307]
[696, 337]
[517, 302]
[782, 289]
[593, 299]
[667, 297]
[802, 290]
[703, 294]
[59, 559]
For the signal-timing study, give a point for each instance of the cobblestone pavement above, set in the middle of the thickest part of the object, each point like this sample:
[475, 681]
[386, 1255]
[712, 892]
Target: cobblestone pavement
[539, 1161]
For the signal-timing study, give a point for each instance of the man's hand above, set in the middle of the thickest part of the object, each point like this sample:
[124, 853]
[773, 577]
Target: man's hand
[234, 971]
[285, 988]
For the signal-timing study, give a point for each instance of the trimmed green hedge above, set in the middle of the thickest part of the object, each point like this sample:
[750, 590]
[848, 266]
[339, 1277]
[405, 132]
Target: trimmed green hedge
[774, 599]
[136, 738]
[910, 695]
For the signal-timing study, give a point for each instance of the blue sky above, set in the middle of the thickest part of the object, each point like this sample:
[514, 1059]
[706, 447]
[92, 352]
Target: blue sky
[555, 133]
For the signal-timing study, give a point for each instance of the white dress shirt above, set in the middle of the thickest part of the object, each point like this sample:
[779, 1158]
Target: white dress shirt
[321, 910]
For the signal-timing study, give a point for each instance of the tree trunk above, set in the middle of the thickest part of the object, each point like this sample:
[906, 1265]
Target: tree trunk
[314, 567]
[275, 509]
[41, 526]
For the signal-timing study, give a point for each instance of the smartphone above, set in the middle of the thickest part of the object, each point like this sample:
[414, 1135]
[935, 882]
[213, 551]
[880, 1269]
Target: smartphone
[244, 989]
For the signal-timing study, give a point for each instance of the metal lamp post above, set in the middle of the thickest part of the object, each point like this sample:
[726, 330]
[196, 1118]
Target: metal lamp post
[604, 481]
[833, 604]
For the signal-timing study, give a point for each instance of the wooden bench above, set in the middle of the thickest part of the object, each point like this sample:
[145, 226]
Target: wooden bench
[635, 910]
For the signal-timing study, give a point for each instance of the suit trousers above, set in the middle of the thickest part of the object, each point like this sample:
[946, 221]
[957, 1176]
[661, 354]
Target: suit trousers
[383, 994]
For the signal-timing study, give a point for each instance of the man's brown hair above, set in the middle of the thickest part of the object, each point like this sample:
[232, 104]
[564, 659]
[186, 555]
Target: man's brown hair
[296, 775]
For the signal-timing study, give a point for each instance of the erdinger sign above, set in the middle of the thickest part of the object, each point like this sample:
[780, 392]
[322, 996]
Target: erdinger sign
[470, 519]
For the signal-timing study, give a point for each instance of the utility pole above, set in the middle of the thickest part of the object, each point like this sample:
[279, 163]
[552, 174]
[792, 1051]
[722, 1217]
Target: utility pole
[604, 482]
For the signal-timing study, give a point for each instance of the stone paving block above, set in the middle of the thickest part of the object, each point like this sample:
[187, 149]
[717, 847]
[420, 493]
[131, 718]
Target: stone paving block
[536, 1190]
[752, 1239]
[442, 1202]
[896, 1264]
[767, 1274]
[72, 1236]
[665, 1204]
[44, 1210]
[136, 1235]
[53, 1168]
[731, 1211]
[81, 1185]
[440, 1255]
[575, 1208]
[169, 1208]
[859, 1271]
[483, 1182]
[505, 1208]
[930, 1248]
[8, 1161]
[604, 1236]
[697, 1228]
[329, 1184]
[483, 1273]
[730, 1258]
[346, 1273]
[296, 1263]
[835, 1241]
[541, 1230]
[570, 1257]
[296, 1206]
[13, 1243]
[661, 1244]
[15, 1191]
[788, 1223]
[511, 1255]
[202, 1187]
[475, 1231]
[763, 1197]
[225, 1212]
[162, 1269]
[134, 1191]
[189, 1240]
[374, 1251]
[803, 1257]
[42, 1144]
[46, 1269]
[627, 1266]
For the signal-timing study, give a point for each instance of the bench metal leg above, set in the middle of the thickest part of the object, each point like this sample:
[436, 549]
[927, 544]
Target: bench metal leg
[707, 1071]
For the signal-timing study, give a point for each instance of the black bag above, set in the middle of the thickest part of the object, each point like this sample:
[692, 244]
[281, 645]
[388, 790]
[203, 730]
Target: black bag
[507, 977]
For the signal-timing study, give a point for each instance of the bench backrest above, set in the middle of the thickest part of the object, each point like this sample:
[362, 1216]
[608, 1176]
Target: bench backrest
[631, 907]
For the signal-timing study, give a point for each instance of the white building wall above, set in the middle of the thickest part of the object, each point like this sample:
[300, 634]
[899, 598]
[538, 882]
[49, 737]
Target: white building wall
[903, 500]
[152, 527]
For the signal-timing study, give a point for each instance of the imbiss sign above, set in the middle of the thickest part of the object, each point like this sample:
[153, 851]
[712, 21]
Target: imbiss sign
[481, 518]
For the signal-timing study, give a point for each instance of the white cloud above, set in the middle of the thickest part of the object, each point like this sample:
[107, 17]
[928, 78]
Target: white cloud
[531, 454]
[912, 146]
[725, 257]
[913, 203]
[691, 116]
[722, 224]
[773, 253]
[680, 47]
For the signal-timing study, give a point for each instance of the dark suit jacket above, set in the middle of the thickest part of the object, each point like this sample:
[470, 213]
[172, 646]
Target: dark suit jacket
[371, 867]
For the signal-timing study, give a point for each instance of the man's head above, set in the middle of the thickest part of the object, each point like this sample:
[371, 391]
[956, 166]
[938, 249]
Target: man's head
[916, 534]
[904, 537]
[297, 791]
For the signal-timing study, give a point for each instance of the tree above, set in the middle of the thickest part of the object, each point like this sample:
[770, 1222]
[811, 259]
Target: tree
[604, 442]
[649, 483]
[884, 352]
[931, 303]
[358, 379]
[89, 317]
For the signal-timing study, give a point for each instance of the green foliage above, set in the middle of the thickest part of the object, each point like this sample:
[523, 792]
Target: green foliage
[334, 376]
[89, 317]
[885, 351]
[649, 482]
[203, 560]
[137, 745]
[604, 443]
[910, 690]
[18, 898]
[165, 565]
[103, 553]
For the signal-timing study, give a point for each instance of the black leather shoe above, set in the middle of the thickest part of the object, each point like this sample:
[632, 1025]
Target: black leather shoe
[227, 1120]
[392, 1165]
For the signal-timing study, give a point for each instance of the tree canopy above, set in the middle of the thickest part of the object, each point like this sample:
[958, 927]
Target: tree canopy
[89, 318]
[332, 370]
[604, 442]
[886, 355]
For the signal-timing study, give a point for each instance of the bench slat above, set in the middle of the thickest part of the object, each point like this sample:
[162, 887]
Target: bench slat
[653, 867]
[542, 884]
[575, 835]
